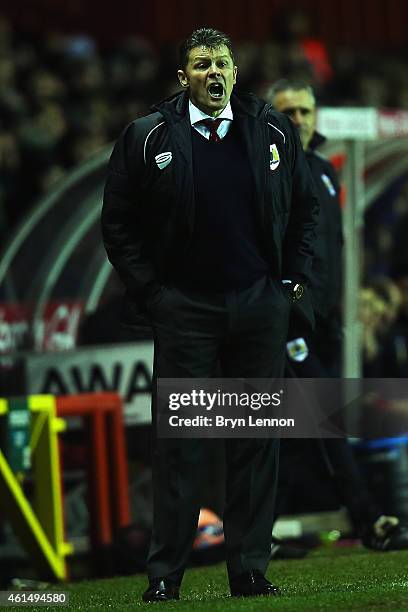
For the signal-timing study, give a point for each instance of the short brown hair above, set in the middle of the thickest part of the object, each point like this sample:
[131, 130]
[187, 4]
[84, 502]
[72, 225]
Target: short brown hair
[203, 37]
[285, 84]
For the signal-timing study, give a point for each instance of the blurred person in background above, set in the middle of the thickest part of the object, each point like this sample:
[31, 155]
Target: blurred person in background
[393, 359]
[40, 136]
[305, 53]
[386, 290]
[386, 229]
[183, 228]
[371, 309]
[12, 101]
[383, 313]
[385, 355]
[317, 354]
[296, 99]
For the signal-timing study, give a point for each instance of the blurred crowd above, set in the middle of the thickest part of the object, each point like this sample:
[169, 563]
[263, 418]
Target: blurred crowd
[384, 296]
[384, 317]
[62, 97]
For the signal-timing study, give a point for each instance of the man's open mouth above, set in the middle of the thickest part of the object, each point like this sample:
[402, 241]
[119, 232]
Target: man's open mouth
[216, 91]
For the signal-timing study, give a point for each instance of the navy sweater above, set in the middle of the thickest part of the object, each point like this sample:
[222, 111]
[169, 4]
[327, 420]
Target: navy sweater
[224, 253]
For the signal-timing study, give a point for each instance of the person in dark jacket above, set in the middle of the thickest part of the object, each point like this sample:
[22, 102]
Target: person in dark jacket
[317, 353]
[208, 205]
[296, 99]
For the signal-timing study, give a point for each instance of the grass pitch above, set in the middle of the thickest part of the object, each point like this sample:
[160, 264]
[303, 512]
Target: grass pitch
[335, 579]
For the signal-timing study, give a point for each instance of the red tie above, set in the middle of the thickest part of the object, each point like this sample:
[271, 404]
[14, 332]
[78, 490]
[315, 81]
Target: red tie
[212, 125]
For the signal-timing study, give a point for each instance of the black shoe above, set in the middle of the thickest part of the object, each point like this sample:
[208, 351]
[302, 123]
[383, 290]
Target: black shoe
[161, 590]
[394, 538]
[251, 584]
[281, 551]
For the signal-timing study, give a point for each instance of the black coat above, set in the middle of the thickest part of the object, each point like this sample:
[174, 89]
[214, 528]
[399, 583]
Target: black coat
[326, 279]
[148, 210]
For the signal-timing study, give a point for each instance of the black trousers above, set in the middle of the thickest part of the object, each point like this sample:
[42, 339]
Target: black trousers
[244, 331]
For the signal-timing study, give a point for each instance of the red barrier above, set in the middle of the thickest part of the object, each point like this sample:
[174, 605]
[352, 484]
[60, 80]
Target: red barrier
[108, 484]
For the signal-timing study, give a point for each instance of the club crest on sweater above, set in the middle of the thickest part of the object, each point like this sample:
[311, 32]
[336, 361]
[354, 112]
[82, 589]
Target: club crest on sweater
[274, 159]
[297, 349]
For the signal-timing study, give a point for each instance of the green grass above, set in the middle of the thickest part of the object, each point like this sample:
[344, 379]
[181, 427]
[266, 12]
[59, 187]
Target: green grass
[336, 579]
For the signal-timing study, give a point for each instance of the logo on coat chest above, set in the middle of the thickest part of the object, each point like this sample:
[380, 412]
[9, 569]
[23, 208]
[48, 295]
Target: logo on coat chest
[163, 159]
[274, 158]
[329, 185]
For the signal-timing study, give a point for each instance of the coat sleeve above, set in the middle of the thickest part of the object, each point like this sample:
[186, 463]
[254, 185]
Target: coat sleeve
[121, 211]
[298, 246]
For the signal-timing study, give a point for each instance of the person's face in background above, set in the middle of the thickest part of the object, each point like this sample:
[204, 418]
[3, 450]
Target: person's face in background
[300, 107]
[371, 309]
[210, 75]
[393, 303]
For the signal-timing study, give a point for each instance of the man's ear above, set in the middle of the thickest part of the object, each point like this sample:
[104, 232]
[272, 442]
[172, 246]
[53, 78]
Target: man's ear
[235, 74]
[182, 78]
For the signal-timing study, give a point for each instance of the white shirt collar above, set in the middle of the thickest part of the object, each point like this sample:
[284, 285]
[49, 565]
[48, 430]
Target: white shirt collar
[197, 115]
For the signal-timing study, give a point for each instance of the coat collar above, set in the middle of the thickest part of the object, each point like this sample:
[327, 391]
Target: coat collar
[317, 140]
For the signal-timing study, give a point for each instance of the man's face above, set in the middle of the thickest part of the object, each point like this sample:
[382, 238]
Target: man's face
[210, 75]
[301, 108]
